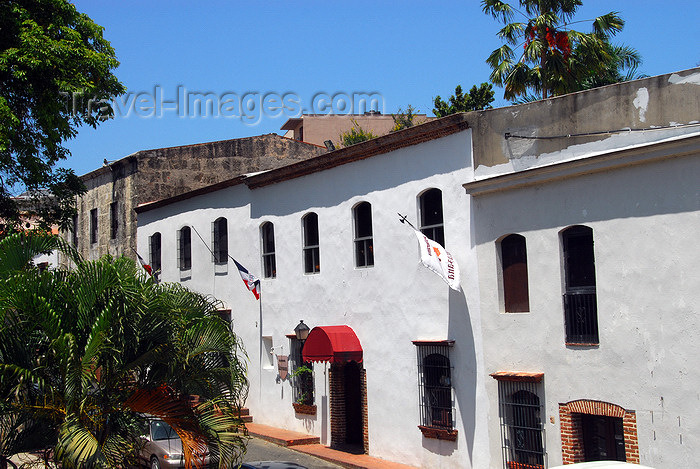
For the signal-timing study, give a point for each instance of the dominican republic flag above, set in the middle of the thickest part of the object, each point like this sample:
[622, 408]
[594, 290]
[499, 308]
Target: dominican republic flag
[145, 266]
[251, 282]
[437, 259]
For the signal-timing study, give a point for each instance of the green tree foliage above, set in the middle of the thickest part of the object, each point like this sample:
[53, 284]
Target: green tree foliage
[85, 353]
[404, 119]
[624, 64]
[555, 59]
[55, 75]
[477, 99]
[356, 134]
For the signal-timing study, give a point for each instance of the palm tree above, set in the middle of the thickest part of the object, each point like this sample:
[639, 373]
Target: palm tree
[623, 66]
[84, 354]
[555, 59]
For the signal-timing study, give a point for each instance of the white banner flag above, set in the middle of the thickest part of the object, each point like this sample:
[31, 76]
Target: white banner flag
[434, 257]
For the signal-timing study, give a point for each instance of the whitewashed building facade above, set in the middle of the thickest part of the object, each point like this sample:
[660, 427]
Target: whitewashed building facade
[574, 331]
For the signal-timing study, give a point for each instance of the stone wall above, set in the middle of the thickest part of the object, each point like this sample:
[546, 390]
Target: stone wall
[151, 175]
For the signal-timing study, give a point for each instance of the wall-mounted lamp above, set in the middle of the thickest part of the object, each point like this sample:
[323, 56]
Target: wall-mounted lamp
[302, 330]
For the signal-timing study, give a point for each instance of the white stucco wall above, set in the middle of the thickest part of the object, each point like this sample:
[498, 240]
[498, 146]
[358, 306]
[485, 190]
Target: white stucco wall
[387, 305]
[645, 221]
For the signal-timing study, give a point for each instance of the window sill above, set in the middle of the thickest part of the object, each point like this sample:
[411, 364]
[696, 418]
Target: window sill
[307, 409]
[583, 344]
[438, 433]
[520, 465]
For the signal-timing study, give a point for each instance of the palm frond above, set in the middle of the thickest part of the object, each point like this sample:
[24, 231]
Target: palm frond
[498, 9]
[18, 249]
[608, 25]
[77, 446]
[512, 32]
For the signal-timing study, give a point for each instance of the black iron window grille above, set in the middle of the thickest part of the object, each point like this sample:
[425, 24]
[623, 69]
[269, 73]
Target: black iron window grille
[435, 384]
[220, 241]
[522, 432]
[154, 245]
[93, 226]
[74, 233]
[302, 375]
[184, 248]
[431, 220]
[113, 220]
[364, 248]
[312, 255]
[267, 231]
[580, 309]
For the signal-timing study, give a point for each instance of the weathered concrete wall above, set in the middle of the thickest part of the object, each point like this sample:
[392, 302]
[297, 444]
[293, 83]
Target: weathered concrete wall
[660, 101]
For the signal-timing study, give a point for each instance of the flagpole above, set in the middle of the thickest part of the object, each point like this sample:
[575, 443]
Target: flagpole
[260, 361]
[403, 219]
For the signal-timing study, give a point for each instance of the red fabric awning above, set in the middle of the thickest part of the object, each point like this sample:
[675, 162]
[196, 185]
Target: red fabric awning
[335, 344]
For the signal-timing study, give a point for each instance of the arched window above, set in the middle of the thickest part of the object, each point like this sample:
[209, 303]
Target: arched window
[364, 248]
[311, 252]
[220, 240]
[431, 221]
[580, 309]
[154, 252]
[267, 233]
[184, 248]
[514, 274]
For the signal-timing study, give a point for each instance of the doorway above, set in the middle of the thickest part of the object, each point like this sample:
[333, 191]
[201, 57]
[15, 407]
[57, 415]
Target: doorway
[603, 438]
[348, 399]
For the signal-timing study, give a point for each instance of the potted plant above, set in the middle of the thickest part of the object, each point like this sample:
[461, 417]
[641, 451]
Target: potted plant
[304, 384]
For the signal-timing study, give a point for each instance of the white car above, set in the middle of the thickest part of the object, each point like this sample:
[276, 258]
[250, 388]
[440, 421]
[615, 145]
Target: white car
[163, 448]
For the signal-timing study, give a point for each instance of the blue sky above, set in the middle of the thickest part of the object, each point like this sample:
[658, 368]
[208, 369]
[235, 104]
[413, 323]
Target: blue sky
[293, 52]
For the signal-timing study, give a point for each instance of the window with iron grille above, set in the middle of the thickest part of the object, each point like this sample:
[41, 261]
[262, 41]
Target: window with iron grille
[113, 220]
[431, 222]
[580, 309]
[93, 226]
[312, 258]
[522, 433]
[74, 233]
[435, 384]
[364, 248]
[154, 252]
[184, 248]
[267, 233]
[302, 374]
[514, 274]
[220, 241]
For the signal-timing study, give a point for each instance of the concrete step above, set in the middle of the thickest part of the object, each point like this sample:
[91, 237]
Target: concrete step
[281, 437]
[245, 415]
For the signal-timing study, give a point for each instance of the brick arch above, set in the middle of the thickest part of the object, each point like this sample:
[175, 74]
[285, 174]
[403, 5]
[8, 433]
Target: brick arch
[585, 406]
[572, 429]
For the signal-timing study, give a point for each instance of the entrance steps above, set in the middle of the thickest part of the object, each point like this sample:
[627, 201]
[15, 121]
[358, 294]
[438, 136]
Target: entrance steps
[245, 415]
[279, 436]
[311, 445]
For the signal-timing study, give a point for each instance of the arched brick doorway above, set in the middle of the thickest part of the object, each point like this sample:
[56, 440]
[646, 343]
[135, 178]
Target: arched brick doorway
[591, 430]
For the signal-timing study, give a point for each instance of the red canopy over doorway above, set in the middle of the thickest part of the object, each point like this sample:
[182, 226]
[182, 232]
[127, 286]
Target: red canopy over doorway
[335, 344]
